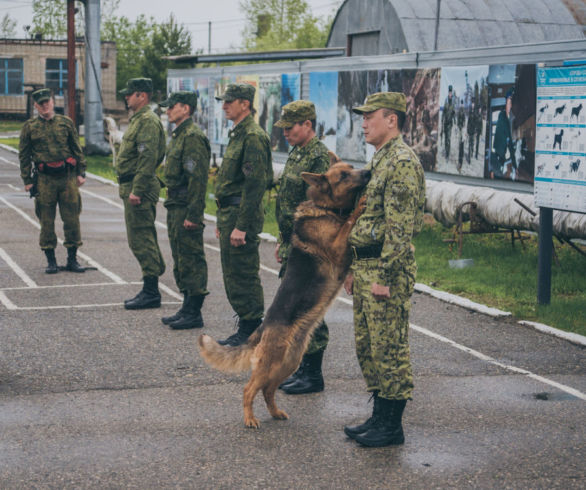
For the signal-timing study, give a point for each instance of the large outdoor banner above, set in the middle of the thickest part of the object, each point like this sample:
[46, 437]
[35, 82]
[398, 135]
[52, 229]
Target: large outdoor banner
[221, 125]
[290, 91]
[323, 92]
[201, 116]
[269, 107]
[463, 109]
[510, 131]
[560, 161]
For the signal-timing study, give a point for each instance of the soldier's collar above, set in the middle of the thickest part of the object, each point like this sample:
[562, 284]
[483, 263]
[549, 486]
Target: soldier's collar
[182, 126]
[142, 110]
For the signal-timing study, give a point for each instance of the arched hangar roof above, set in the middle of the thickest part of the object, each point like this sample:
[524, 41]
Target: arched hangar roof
[409, 25]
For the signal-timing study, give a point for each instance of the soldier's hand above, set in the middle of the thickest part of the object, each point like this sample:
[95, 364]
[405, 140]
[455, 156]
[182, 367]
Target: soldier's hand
[133, 199]
[217, 234]
[237, 238]
[27, 187]
[278, 259]
[349, 284]
[80, 180]
[380, 292]
[189, 225]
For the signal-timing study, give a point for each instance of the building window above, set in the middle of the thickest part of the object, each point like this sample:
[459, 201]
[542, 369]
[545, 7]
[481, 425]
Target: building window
[11, 76]
[56, 75]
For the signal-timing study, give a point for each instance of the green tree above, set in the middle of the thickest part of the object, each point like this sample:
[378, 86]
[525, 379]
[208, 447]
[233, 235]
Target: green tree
[282, 24]
[7, 26]
[167, 39]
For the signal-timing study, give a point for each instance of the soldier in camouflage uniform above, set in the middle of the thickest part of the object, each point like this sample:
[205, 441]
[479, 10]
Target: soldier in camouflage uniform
[448, 116]
[186, 176]
[52, 162]
[309, 154]
[383, 269]
[141, 152]
[246, 172]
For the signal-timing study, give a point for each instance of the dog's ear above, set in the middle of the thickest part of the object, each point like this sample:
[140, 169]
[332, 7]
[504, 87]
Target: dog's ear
[333, 158]
[313, 179]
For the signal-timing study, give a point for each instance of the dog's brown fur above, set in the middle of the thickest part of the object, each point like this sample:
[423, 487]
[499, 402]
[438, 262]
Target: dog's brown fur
[316, 268]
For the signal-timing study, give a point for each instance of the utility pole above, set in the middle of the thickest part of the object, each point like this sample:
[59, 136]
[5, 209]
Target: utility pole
[71, 60]
[210, 37]
[437, 23]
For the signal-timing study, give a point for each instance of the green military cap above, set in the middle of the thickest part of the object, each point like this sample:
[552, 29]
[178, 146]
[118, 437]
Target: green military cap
[383, 100]
[138, 85]
[296, 112]
[238, 91]
[185, 97]
[41, 95]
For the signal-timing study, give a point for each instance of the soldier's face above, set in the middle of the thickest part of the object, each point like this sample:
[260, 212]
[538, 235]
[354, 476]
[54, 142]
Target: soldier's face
[378, 128]
[236, 109]
[46, 109]
[178, 113]
[299, 134]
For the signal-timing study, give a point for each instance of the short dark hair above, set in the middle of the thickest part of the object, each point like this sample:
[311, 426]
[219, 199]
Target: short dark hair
[400, 117]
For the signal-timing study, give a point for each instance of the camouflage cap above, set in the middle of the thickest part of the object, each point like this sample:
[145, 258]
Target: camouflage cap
[296, 112]
[383, 100]
[185, 97]
[238, 91]
[41, 95]
[138, 85]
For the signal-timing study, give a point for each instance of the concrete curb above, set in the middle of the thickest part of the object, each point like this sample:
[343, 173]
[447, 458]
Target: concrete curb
[420, 288]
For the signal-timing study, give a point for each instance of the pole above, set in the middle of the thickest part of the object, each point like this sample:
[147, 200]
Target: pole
[544, 259]
[71, 59]
[210, 37]
[437, 22]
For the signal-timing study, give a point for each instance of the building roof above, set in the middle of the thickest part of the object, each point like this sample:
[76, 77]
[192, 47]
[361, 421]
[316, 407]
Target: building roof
[409, 25]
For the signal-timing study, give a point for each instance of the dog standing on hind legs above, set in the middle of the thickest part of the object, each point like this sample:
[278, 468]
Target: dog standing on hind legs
[318, 264]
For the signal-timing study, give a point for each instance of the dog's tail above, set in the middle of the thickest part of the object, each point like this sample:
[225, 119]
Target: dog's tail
[226, 358]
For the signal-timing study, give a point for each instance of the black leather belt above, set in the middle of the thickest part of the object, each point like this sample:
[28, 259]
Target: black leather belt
[177, 192]
[371, 252]
[224, 202]
[123, 179]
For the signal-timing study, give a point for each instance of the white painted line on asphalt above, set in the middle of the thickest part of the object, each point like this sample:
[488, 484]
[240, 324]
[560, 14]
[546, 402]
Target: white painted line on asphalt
[74, 307]
[117, 279]
[105, 199]
[170, 292]
[19, 272]
[58, 286]
[570, 337]
[9, 305]
[490, 360]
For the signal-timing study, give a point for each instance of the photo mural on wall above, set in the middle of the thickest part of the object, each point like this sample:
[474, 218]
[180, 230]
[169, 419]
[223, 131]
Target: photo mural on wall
[352, 91]
[201, 115]
[462, 122]
[290, 91]
[269, 107]
[510, 130]
[221, 125]
[323, 92]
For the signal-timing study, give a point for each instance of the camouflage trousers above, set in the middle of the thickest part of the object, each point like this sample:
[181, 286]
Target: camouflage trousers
[142, 236]
[62, 190]
[240, 268]
[381, 328]
[189, 262]
[321, 335]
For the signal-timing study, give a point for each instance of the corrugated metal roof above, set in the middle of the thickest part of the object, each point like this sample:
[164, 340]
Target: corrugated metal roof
[463, 23]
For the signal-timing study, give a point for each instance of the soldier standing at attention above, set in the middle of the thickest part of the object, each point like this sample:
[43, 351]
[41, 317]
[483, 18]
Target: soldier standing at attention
[246, 172]
[141, 152]
[448, 116]
[50, 143]
[309, 154]
[383, 269]
[186, 176]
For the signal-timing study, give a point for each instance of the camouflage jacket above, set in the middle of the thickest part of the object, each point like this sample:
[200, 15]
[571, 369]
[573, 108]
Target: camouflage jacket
[314, 158]
[395, 199]
[187, 166]
[52, 140]
[246, 171]
[141, 152]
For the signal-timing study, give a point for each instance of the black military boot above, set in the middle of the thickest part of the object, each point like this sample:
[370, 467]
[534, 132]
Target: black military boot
[353, 430]
[72, 263]
[295, 376]
[311, 379]
[149, 297]
[191, 316]
[170, 319]
[245, 329]
[387, 429]
[52, 267]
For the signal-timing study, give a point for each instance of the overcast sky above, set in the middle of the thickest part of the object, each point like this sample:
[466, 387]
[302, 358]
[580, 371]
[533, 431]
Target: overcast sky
[225, 15]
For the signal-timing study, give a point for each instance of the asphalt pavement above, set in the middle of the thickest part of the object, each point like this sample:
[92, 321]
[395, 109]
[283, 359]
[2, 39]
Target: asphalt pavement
[94, 396]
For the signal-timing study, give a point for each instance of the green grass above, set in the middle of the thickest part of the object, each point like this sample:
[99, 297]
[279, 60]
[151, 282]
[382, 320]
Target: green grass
[6, 126]
[502, 276]
[505, 277]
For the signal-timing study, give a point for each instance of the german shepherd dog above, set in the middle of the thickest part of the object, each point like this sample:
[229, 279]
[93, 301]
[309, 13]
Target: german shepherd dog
[316, 268]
